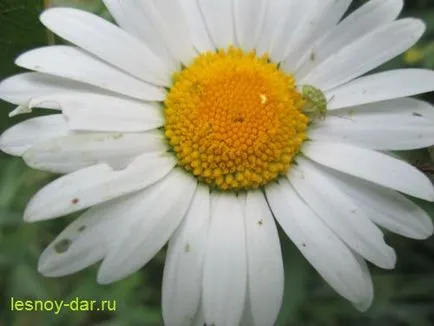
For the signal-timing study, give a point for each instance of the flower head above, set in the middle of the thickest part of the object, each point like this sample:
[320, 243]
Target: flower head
[202, 122]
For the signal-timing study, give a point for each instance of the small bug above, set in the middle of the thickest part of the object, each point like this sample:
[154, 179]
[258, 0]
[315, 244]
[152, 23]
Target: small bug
[316, 102]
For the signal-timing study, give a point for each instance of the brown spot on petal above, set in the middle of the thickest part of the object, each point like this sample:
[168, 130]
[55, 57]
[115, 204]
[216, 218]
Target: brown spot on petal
[62, 246]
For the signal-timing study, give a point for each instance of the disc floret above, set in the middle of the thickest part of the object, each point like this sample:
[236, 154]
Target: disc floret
[234, 120]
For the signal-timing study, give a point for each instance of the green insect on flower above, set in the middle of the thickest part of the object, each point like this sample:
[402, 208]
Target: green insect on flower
[316, 102]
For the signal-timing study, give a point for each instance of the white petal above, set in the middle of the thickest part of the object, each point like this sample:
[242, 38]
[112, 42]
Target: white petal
[199, 320]
[120, 14]
[362, 21]
[404, 107]
[247, 318]
[342, 215]
[218, 16]
[295, 34]
[249, 16]
[182, 286]
[97, 112]
[198, 31]
[94, 185]
[73, 63]
[155, 214]
[19, 138]
[364, 305]
[366, 53]
[333, 260]
[176, 35]
[386, 207]
[130, 18]
[372, 166]
[225, 269]
[381, 132]
[275, 18]
[21, 88]
[264, 257]
[108, 42]
[323, 16]
[331, 16]
[381, 86]
[73, 152]
[84, 242]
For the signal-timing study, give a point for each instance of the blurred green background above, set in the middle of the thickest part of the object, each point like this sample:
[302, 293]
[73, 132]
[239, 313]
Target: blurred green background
[404, 296]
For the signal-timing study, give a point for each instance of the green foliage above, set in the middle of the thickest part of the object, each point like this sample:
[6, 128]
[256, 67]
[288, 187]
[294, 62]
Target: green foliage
[404, 296]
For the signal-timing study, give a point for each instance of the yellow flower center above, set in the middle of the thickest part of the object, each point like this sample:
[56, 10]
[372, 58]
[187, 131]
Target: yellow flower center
[234, 120]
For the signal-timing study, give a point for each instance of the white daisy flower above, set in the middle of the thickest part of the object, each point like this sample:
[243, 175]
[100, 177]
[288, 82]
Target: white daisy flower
[162, 137]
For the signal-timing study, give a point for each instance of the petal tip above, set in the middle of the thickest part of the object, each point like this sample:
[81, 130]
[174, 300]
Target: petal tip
[44, 14]
[31, 215]
[390, 260]
[107, 273]
[52, 13]
[43, 267]
[3, 145]
[364, 305]
[104, 278]
[431, 196]
[427, 231]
